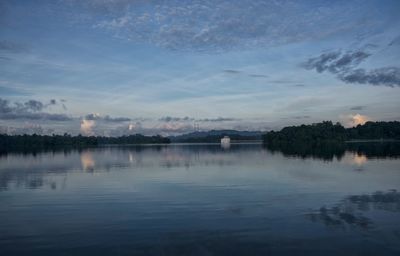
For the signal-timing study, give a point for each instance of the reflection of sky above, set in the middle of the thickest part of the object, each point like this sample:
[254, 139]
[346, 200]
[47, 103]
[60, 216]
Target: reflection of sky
[203, 164]
[180, 193]
[352, 211]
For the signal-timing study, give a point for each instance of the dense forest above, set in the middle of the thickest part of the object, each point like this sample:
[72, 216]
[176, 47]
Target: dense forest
[327, 140]
[327, 132]
[43, 142]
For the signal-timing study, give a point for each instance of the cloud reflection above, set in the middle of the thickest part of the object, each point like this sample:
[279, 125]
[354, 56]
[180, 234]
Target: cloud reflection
[359, 159]
[26, 169]
[87, 161]
[350, 211]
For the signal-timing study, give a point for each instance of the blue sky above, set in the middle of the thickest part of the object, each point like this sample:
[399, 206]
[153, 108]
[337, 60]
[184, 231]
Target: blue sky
[113, 67]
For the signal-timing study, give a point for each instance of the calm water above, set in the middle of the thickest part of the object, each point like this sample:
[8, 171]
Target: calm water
[201, 200]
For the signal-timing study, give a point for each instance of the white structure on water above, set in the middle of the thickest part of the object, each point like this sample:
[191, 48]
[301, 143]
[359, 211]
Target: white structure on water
[225, 140]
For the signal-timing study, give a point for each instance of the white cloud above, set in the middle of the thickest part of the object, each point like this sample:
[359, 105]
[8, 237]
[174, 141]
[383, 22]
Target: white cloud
[352, 120]
[87, 127]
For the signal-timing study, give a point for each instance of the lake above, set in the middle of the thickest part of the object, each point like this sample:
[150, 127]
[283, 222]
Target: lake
[245, 199]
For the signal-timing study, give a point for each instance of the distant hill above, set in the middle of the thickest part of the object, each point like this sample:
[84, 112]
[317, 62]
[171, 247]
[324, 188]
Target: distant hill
[216, 135]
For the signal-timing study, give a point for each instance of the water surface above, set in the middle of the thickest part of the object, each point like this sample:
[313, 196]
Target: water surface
[201, 200]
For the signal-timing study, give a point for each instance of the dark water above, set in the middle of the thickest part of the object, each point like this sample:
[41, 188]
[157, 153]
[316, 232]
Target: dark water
[201, 200]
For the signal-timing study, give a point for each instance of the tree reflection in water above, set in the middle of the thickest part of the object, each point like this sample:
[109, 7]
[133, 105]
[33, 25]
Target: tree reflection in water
[330, 150]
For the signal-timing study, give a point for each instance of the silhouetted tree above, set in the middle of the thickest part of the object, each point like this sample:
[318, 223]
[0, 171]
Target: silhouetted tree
[329, 132]
[45, 142]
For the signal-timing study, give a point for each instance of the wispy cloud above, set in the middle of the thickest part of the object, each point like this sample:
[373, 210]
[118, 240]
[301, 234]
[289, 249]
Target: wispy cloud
[216, 25]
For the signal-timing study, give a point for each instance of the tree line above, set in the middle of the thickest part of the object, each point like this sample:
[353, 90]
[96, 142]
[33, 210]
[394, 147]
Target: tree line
[26, 142]
[327, 132]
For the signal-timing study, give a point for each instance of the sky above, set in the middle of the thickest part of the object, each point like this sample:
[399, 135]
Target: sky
[117, 67]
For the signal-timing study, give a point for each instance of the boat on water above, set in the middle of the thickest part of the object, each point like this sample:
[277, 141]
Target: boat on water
[225, 140]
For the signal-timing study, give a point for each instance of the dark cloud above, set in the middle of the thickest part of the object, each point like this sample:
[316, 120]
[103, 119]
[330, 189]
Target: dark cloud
[357, 108]
[35, 116]
[63, 104]
[344, 66]
[92, 117]
[388, 76]
[116, 119]
[232, 71]
[4, 106]
[107, 118]
[321, 63]
[258, 76]
[348, 60]
[34, 105]
[29, 110]
[218, 119]
[336, 62]
[175, 119]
